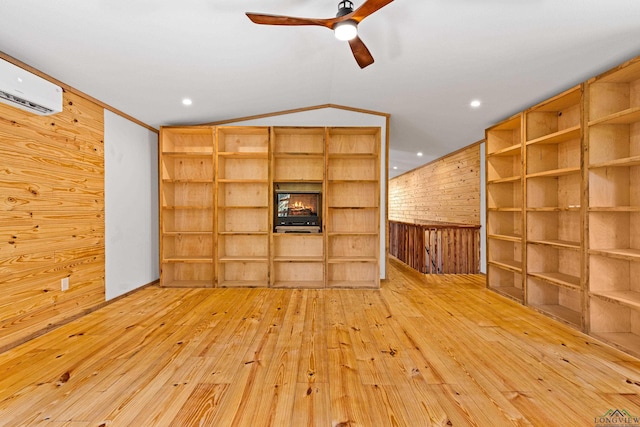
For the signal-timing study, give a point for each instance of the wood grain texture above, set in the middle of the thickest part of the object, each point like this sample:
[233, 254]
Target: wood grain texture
[421, 351]
[445, 190]
[51, 216]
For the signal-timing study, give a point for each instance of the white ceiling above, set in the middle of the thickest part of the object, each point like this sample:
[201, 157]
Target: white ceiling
[432, 58]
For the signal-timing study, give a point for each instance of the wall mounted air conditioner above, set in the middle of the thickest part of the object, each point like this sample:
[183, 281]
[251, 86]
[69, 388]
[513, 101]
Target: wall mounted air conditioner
[27, 91]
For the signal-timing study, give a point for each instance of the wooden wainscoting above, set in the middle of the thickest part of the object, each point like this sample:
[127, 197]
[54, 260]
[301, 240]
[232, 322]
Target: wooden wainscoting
[436, 350]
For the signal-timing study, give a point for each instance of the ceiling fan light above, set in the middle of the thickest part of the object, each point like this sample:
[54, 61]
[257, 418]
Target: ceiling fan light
[345, 30]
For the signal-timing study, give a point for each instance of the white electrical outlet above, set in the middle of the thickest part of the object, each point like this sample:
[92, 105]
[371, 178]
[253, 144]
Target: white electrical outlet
[65, 284]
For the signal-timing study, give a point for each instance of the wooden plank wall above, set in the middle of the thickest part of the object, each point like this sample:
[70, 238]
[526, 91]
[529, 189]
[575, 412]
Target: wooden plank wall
[445, 190]
[51, 217]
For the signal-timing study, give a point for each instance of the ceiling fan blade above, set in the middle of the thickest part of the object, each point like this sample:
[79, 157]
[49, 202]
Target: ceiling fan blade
[261, 18]
[367, 8]
[360, 52]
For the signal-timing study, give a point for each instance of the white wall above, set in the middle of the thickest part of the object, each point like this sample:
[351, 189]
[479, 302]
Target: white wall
[131, 205]
[339, 117]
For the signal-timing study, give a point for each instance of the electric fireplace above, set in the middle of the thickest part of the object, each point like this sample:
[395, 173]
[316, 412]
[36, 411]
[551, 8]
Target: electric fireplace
[297, 209]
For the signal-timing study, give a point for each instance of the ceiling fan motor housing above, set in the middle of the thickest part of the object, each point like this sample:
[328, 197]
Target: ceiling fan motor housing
[345, 7]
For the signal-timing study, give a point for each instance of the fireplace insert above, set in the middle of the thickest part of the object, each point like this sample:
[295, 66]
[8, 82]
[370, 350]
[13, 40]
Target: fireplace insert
[297, 208]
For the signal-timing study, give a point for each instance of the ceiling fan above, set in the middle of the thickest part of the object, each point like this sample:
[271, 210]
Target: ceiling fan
[344, 25]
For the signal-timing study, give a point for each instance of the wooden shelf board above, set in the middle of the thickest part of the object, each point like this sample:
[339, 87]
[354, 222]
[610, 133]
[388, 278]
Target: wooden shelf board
[351, 233]
[554, 209]
[187, 153]
[348, 259]
[243, 259]
[242, 207]
[505, 180]
[352, 284]
[513, 150]
[554, 173]
[558, 137]
[623, 162]
[511, 123]
[187, 233]
[188, 181]
[243, 233]
[295, 155]
[352, 207]
[188, 259]
[626, 341]
[187, 283]
[243, 284]
[507, 264]
[569, 98]
[630, 115]
[627, 298]
[297, 180]
[177, 208]
[506, 237]
[618, 253]
[303, 234]
[293, 284]
[352, 156]
[556, 243]
[298, 259]
[244, 154]
[242, 181]
[502, 209]
[614, 209]
[560, 313]
[349, 181]
[510, 292]
[556, 278]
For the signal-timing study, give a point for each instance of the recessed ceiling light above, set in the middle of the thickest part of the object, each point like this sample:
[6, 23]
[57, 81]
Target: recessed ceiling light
[395, 167]
[187, 101]
[475, 103]
[419, 154]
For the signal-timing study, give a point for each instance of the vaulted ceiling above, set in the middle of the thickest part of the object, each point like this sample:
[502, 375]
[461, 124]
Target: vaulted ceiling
[432, 57]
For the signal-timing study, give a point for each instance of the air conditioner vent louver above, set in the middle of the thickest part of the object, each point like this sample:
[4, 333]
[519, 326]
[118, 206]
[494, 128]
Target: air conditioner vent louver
[27, 91]
[25, 103]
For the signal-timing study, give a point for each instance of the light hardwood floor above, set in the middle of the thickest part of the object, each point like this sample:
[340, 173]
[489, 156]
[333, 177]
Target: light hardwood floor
[421, 351]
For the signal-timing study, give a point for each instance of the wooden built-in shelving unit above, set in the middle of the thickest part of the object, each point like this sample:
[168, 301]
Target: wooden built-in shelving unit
[187, 206]
[243, 208]
[613, 147]
[553, 187]
[352, 208]
[217, 189]
[505, 219]
[578, 260]
[298, 259]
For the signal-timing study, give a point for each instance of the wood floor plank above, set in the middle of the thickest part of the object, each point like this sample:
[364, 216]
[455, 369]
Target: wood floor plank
[421, 351]
[313, 350]
[240, 404]
[201, 405]
[311, 406]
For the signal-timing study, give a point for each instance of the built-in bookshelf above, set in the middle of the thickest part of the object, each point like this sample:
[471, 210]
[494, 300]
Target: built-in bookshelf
[575, 246]
[352, 208]
[243, 208]
[298, 259]
[613, 138]
[505, 219]
[218, 190]
[187, 206]
[553, 182]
